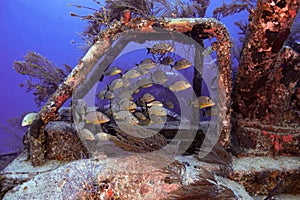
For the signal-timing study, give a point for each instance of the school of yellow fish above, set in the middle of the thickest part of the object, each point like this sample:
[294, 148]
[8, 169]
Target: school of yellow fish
[146, 110]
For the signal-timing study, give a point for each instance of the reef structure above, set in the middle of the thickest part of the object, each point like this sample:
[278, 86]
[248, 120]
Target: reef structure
[266, 95]
[112, 40]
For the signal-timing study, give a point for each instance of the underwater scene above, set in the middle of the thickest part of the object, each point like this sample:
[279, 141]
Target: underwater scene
[150, 99]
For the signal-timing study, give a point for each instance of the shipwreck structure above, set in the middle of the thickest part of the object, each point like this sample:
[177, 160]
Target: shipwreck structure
[258, 114]
[110, 42]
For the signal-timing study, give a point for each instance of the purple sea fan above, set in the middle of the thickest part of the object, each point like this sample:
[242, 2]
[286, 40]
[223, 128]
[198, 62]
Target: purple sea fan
[44, 76]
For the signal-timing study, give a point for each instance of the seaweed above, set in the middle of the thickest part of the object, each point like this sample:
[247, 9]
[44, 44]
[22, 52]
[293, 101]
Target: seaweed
[44, 76]
[232, 8]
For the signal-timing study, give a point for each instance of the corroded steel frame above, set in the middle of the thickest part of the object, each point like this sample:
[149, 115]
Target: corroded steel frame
[99, 54]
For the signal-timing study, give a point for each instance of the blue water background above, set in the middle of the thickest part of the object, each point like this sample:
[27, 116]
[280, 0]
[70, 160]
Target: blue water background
[45, 27]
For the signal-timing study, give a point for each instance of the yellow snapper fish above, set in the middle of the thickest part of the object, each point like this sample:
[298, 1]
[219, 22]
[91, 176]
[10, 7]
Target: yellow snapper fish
[147, 61]
[96, 117]
[142, 71]
[140, 116]
[157, 111]
[126, 83]
[182, 64]
[131, 120]
[101, 94]
[154, 119]
[86, 134]
[121, 115]
[125, 93]
[147, 97]
[159, 77]
[126, 104]
[109, 95]
[28, 119]
[167, 60]
[136, 91]
[202, 102]
[155, 103]
[161, 48]
[102, 136]
[144, 83]
[205, 101]
[147, 66]
[179, 86]
[133, 73]
[169, 105]
[111, 71]
[115, 84]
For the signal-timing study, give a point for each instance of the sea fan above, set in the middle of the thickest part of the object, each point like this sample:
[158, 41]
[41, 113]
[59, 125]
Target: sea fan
[44, 75]
[234, 7]
[206, 187]
[113, 9]
[194, 8]
[137, 7]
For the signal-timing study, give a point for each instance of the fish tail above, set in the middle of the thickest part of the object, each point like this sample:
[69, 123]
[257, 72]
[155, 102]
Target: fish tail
[101, 78]
[148, 50]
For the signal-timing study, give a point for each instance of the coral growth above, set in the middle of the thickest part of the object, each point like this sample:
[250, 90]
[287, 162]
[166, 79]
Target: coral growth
[44, 76]
[114, 9]
[196, 8]
[232, 8]
[137, 7]
[206, 187]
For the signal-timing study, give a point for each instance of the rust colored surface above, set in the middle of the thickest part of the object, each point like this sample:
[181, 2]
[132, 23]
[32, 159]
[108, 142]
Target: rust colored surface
[263, 182]
[259, 139]
[63, 143]
[268, 28]
[265, 103]
[260, 175]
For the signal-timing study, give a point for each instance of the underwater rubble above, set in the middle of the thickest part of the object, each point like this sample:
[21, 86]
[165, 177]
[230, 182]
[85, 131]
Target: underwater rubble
[133, 177]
